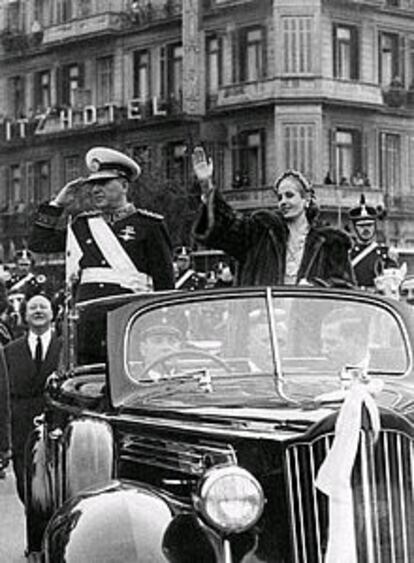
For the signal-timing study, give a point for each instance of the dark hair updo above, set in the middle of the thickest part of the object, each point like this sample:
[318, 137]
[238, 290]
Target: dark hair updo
[306, 190]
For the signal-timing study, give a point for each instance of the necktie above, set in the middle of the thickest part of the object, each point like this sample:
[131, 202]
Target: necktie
[38, 354]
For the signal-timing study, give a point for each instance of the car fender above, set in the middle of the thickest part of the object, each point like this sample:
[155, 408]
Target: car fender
[121, 522]
[88, 447]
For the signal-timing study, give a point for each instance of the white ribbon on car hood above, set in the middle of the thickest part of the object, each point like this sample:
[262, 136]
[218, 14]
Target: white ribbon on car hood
[334, 476]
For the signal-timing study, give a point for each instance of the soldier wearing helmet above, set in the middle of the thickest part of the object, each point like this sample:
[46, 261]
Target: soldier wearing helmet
[368, 256]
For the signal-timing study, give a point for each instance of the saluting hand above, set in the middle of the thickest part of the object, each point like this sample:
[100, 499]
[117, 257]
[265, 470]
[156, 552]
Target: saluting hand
[67, 194]
[203, 169]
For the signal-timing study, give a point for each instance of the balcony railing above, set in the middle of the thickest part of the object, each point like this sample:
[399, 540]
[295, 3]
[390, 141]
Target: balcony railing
[329, 88]
[246, 92]
[82, 27]
[327, 197]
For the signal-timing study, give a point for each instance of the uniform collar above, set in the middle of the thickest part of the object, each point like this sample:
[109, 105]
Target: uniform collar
[118, 214]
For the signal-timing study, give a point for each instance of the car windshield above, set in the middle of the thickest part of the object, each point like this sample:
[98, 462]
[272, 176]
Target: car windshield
[224, 349]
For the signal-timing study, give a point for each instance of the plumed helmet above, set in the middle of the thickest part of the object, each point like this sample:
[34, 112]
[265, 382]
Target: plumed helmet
[363, 212]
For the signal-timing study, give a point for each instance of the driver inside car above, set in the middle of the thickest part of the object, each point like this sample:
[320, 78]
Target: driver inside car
[345, 339]
[161, 334]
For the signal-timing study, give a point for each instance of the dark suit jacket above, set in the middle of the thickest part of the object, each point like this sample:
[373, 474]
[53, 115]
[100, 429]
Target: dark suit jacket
[4, 408]
[26, 388]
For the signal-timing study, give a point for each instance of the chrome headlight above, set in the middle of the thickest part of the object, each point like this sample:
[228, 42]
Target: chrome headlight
[230, 499]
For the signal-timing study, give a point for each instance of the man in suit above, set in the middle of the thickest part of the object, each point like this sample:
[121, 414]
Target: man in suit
[4, 416]
[30, 360]
[114, 248]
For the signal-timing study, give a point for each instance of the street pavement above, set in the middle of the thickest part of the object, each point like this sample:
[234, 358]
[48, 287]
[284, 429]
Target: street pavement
[12, 527]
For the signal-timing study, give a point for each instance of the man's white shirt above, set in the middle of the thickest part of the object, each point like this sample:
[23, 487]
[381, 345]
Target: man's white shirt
[46, 337]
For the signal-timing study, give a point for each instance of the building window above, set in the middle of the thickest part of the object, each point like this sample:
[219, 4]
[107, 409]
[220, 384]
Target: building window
[142, 75]
[41, 181]
[63, 11]
[347, 154]
[41, 12]
[390, 159]
[176, 162]
[299, 143]
[214, 71]
[105, 80]
[394, 3]
[411, 64]
[171, 69]
[13, 16]
[84, 8]
[297, 45]
[70, 80]
[15, 194]
[72, 168]
[16, 93]
[42, 90]
[346, 52]
[391, 58]
[248, 55]
[143, 155]
[248, 159]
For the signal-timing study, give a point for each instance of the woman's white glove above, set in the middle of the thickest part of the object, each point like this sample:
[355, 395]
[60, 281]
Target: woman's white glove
[203, 169]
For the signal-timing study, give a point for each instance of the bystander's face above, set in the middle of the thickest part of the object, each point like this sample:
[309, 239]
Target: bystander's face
[109, 194]
[292, 202]
[39, 313]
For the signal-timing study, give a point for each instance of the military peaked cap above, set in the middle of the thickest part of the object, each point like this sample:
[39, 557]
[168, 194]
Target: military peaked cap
[105, 163]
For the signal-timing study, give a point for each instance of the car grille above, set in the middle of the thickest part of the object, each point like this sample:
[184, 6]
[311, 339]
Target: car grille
[383, 490]
[180, 456]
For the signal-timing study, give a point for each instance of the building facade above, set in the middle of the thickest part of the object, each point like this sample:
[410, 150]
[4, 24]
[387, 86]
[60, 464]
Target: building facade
[324, 86]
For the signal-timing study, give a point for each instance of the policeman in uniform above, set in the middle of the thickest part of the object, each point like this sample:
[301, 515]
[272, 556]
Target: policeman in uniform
[368, 257]
[115, 248]
[186, 277]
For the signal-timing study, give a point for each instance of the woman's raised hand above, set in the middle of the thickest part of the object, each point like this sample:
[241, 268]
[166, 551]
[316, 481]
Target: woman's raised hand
[202, 167]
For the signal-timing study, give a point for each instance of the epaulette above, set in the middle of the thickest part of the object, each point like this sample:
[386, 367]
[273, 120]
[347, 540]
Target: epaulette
[151, 214]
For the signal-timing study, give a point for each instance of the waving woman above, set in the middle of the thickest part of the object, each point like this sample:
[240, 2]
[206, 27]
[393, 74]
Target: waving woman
[282, 246]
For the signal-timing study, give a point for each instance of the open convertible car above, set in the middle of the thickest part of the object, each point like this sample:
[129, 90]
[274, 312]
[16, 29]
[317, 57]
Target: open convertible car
[191, 427]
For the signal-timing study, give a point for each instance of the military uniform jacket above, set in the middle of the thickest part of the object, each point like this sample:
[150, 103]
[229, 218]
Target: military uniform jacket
[142, 234]
[259, 243]
[372, 263]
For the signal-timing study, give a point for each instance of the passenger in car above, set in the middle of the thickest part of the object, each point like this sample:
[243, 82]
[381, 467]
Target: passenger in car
[285, 246]
[345, 339]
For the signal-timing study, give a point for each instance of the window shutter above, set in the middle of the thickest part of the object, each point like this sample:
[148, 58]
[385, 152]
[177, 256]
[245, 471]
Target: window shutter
[37, 92]
[355, 38]
[334, 51]
[263, 157]
[81, 75]
[59, 89]
[264, 50]
[64, 82]
[357, 138]
[401, 58]
[379, 58]
[220, 59]
[234, 57]
[4, 192]
[242, 61]
[332, 154]
[29, 182]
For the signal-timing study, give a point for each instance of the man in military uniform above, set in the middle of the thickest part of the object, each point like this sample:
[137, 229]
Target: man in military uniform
[115, 248]
[186, 277]
[369, 258]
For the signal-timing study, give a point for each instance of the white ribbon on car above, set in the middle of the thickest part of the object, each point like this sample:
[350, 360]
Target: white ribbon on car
[124, 271]
[334, 476]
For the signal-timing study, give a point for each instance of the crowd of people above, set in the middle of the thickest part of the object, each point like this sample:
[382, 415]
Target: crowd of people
[114, 247]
